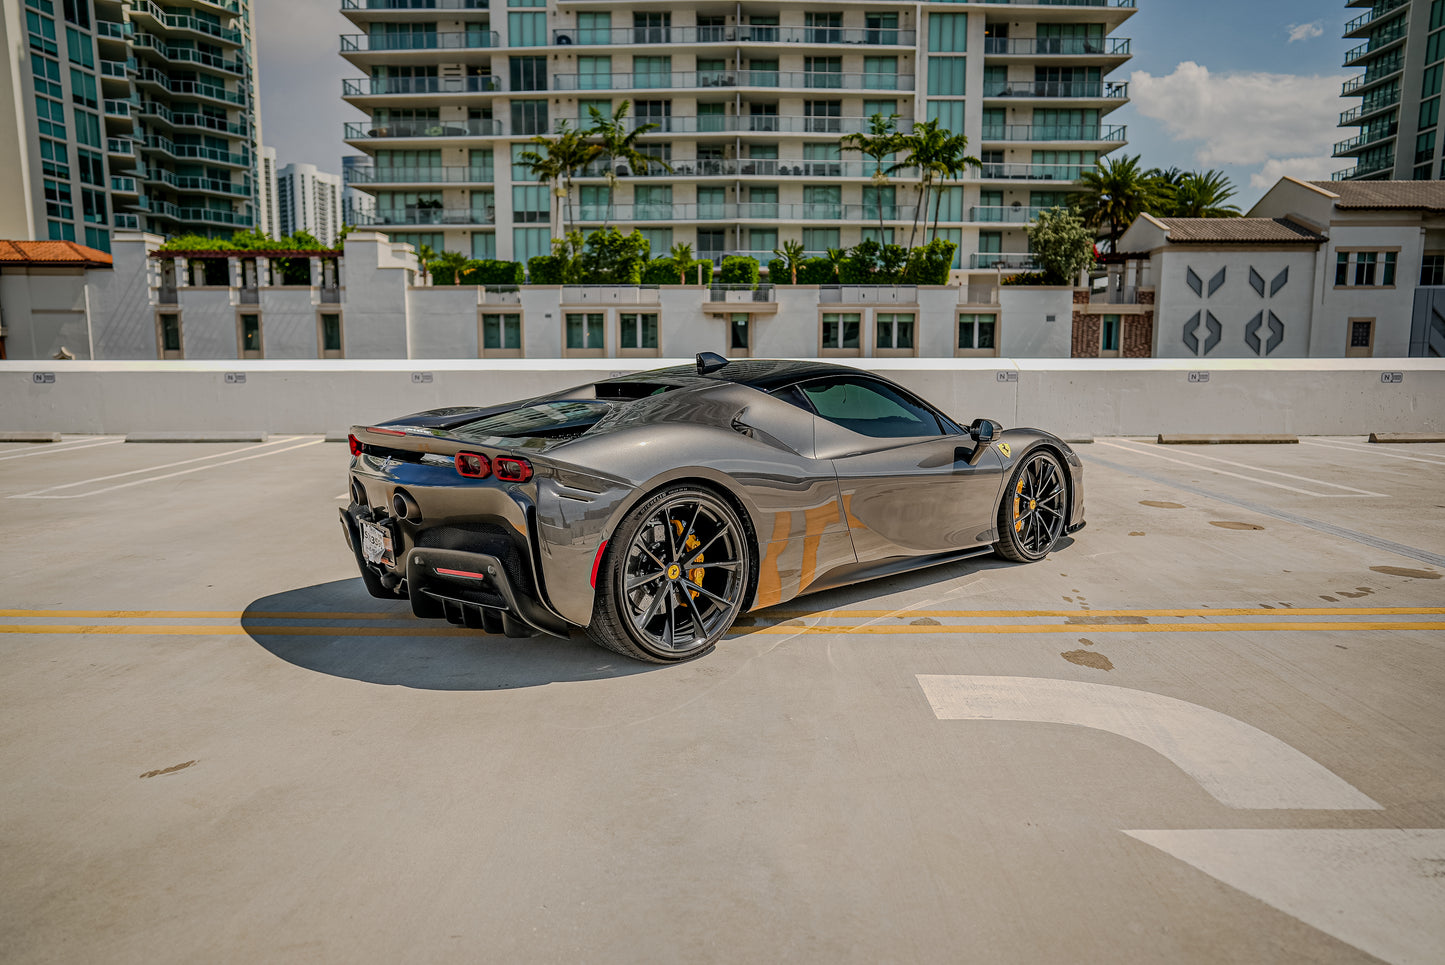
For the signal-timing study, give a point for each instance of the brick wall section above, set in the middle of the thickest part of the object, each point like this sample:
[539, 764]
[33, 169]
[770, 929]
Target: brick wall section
[1137, 340]
[1087, 330]
[1146, 297]
[1081, 296]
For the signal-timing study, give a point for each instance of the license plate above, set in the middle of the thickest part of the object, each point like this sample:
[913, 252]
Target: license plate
[375, 543]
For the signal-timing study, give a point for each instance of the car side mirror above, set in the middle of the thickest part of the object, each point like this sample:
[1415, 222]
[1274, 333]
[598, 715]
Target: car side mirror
[983, 431]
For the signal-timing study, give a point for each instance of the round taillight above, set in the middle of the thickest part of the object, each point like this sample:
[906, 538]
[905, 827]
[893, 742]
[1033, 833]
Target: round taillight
[355, 445]
[473, 465]
[512, 470]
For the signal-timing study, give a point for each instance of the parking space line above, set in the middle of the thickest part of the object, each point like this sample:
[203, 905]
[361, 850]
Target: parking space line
[1373, 450]
[62, 447]
[1202, 612]
[1319, 526]
[208, 614]
[1353, 494]
[43, 493]
[1274, 472]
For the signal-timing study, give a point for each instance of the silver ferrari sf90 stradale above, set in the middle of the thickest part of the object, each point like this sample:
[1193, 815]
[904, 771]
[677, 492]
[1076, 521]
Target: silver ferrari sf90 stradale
[651, 510]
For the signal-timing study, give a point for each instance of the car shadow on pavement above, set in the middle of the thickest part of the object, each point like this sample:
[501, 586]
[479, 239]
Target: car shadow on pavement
[337, 628]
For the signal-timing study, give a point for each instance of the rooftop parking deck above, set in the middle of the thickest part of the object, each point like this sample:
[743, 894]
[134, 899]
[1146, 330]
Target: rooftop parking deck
[1208, 727]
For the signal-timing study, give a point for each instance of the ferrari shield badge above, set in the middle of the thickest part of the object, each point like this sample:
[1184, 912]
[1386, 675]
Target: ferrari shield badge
[1003, 448]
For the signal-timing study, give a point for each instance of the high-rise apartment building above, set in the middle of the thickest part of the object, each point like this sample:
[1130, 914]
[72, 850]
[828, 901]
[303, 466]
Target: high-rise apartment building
[308, 200]
[266, 216]
[357, 207]
[126, 115]
[1398, 114]
[748, 105]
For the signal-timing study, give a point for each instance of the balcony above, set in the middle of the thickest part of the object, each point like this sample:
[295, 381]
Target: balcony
[123, 185]
[356, 131]
[155, 142]
[686, 80]
[118, 69]
[1022, 171]
[1002, 261]
[1371, 105]
[868, 294]
[1116, 4]
[117, 108]
[1380, 42]
[733, 34]
[441, 40]
[127, 222]
[190, 87]
[1107, 90]
[412, 5]
[1365, 168]
[746, 211]
[187, 55]
[110, 30]
[1363, 21]
[184, 21]
[1055, 132]
[750, 167]
[232, 219]
[373, 86]
[1365, 139]
[1056, 47]
[413, 216]
[1375, 75]
[197, 184]
[1004, 215]
[120, 147]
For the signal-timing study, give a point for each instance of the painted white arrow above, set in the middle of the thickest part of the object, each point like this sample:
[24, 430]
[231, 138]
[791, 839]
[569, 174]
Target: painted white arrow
[1382, 891]
[1240, 765]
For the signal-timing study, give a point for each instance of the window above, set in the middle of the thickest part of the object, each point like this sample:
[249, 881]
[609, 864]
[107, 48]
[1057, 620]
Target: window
[823, 71]
[329, 335]
[948, 32]
[50, 116]
[1342, 268]
[638, 333]
[1359, 334]
[58, 202]
[528, 73]
[950, 116]
[248, 332]
[652, 71]
[42, 33]
[870, 408]
[739, 324]
[82, 88]
[529, 117]
[595, 73]
[1424, 147]
[1365, 262]
[841, 332]
[823, 201]
[594, 28]
[976, 334]
[822, 117]
[527, 29]
[501, 334]
[97, 238]
[1361, 341]
[1109, 335]
[894, 333]
[1432, 270]
[78, 12]
[53, 159]
[1429, 113]
[820, 239]
[92, 205]
[47, 75]
[1387, 266]
[61, 231]
[585, 333]
[168, 335]
[92, 166]
[87, 128]
[528, 243]
[79, 47]
[880, 73]
[484, 245]
[531, 203]
[946, 76]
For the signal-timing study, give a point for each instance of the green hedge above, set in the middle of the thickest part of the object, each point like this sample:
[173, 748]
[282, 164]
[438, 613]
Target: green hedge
[544, 270]
[740, 270]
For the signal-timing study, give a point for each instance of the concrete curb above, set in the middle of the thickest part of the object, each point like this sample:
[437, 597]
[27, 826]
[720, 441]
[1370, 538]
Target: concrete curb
[1261, 438]
[29, 437]
[1398, 437]
[199, 435]
[1078, 440]
[338, 436]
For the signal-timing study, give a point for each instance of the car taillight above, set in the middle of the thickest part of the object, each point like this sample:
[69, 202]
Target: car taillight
[512, 470]
[473, 465]
[355, 445]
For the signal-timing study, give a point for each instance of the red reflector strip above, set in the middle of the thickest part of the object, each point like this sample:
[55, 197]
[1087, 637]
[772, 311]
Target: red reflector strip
[597, 561]
[385, 432]
[464, 574]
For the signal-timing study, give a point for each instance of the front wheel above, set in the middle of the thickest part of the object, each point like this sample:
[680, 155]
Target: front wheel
[1031, 517]
[673, 578]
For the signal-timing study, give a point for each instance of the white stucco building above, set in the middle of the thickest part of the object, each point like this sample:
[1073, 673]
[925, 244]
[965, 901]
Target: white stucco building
[308, 199]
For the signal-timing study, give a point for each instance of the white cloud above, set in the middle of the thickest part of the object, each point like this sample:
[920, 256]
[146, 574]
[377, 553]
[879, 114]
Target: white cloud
[1304, 168]
[1277, 122]
[1306, 31]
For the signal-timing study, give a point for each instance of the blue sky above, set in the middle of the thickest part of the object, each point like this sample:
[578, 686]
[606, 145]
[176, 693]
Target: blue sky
[1247, 86]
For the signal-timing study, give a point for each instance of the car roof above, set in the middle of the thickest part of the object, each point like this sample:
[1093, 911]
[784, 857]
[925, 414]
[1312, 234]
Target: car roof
[762, 374]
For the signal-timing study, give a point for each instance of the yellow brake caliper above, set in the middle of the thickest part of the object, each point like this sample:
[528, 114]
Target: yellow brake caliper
[690, 544]
[1018, 513]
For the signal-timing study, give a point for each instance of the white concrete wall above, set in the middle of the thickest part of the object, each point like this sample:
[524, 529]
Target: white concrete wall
[1024, 327]
[288, 323]
[1236, 303]
[1069, 396]
[45, 310]
[122, 300]
[1391, 309]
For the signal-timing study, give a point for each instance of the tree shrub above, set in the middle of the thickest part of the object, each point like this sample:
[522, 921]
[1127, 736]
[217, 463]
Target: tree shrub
[1062, 244]
[816, 271]
[778, 272]
[660, 271]
[544, 270]
[612, 258]
[740, 270]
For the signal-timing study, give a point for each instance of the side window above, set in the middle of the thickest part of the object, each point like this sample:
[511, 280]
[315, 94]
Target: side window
[870, 408]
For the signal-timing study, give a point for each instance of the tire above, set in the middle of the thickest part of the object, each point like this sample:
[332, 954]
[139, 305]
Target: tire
[1033, 512]
[673, 578]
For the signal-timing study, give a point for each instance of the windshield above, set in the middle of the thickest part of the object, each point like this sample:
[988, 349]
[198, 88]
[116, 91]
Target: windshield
[548, 419]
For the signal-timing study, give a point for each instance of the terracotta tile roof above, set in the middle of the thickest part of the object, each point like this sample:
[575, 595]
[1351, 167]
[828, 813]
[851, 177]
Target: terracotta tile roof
[1387, 195]
[52, 253]
[1239, 231]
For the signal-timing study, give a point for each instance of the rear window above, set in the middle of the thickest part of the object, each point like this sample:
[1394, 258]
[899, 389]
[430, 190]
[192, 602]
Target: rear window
[547, 420]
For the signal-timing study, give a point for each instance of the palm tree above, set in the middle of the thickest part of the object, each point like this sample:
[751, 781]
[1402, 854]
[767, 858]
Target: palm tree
[454, 260]
[682, 257]
[836, 257]
[425, 256]
[792, 255]
[567, 154]
[1203, 194]
[618, 143]
[1116, 193]
[951, 163]
[881, 142]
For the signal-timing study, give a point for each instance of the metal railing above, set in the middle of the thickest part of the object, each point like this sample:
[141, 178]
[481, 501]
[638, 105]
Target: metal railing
[184, 21]
[419, 175]
[1003, 261]
[733, 34]
[428, 128]
[110, 30]
[689, 79]
[374, 86]
[1023, 171]
[156, 142]
[676, 124]
[413, 4]
[740, 294]
[734, 211]
[1057, 46]
[1108, 90]
[191, 87]
[1004, 215]
[232, 219]
[439, 40]
[1370, 105]
[1366, 138]
[1382, 9]
[117, 108]
[122, 185]
[749, 167]
[120, 146]
[411, 215]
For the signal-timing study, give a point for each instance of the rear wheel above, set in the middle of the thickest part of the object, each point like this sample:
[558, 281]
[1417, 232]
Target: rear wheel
[1031, 518]
[674, 577]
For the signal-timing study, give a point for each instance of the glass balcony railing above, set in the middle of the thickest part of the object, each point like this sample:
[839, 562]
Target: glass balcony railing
[680, 124]
[123, 185]
[184, 21]
[1381, 10]
[429, 128]
[745, 211]
[234, 219]
[1058, 88]
[1054, 132]
[413, 215]
[1365, 138]
[372, 86]
[441, 40]
[1021, 171]
[1004, 215]
[1057, 46]
[810, 80]
[733, 34]
[190, 87]
[413, 4]
[1002, 260]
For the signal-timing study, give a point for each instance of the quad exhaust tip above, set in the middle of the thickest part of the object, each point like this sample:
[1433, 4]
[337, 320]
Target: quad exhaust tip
[404, 507]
